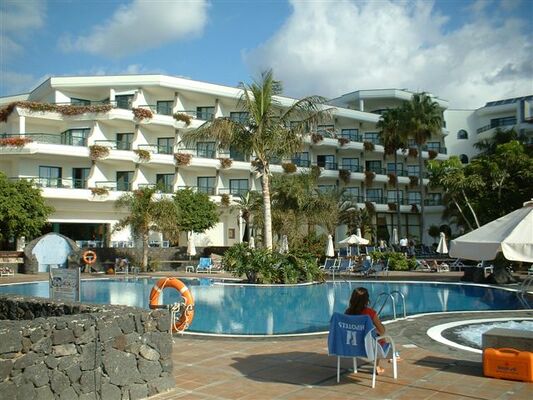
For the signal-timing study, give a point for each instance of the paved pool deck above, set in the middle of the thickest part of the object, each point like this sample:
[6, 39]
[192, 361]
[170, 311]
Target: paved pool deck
[211, 368]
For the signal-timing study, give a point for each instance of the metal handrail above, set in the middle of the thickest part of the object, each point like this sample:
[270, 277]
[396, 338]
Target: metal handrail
[403, 301]
[390, 296]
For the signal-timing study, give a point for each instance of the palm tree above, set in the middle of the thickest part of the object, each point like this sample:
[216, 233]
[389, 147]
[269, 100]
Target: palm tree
[501, 136]
[145, 214]
[393, 138]
[247, 204]
[424, 119]
[270, 132]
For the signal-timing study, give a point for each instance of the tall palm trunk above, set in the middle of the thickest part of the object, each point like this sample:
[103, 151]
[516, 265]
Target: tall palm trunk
[267, 212]
[422, 192]
[398, 205]
[144, 265]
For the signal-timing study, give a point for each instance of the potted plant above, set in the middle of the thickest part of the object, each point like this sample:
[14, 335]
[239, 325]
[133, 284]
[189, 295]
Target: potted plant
[316, 171]
[368, 146]
[97, 152]
[345, 175]
[342, 141]
[183, 118]
[182, 159]
[413, 181]
[140, 114]
[412, 152]
[316, 138]
[432, 154]
[225, 200]
[288, 167]
[14, 141]
[144, 155]
[99, 191]
[393, 179]
[392, 206]
[225, 162]
[369, 177]
[370, 207]
[414, 208]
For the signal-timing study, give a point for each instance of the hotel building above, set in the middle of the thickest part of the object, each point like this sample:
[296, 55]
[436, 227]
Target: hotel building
[83, 189]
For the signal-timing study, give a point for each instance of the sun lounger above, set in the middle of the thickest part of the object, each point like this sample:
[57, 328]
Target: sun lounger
[204, 265]
[5, 271]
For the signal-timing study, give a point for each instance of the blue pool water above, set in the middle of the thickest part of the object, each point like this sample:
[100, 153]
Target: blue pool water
[266, 310]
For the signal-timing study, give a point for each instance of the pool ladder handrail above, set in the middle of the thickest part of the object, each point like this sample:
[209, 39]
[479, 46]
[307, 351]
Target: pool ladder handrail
[389, 295]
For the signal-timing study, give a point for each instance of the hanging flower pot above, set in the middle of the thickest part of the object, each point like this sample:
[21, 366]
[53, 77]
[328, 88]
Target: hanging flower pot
[345, 175]
[225, 200]
[225, 162]
[183, 118]
[369, 177]
[97, 152]
[413, 181]
[144, 155]
[413, 152]
[393, 179]
[432, 154]
[289, 167]
[15, 141]
[414, 208]
[141, 114]
[392, 206]
[99, 191]
[342, 141]
[370, 207]
[316, 138]
[182, 159]
[368, 146]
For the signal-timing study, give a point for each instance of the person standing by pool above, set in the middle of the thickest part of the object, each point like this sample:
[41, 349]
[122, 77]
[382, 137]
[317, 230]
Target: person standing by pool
[359, 305]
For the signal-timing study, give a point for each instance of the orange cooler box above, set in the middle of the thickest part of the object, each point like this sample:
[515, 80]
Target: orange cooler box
[508, 364]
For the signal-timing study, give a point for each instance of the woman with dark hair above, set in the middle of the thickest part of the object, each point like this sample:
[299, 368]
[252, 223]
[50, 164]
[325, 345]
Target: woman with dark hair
[359, 302]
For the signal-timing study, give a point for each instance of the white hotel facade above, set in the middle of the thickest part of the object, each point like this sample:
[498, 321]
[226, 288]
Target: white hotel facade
[57, 155]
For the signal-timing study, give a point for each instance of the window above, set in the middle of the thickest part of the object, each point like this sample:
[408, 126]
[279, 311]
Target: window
[205, 149]
[124, 141]
[434, 199]
[399, 168]
[462, 134]
[231, 233]
[374, 195]
[79, 102]
[240, 116]
[301, 159]
[326, 161]
[79, 177]
[165, 182]
[351, 164]
[164, 107]
[413, 197]
[236, 154]
[124, 179]
[325, 130]
[496, 122]
[435, 146]
[75, 137]
[411, 143]
[165, 145]
[372, 137]
[413, 170]
[206, 184]
[374, 166]
[351, 134]
[238, 186]
[205, 113]
[124, 101]
[325, 188]
[463, 158]
[391, 196]
[50, 177]
[351, 193]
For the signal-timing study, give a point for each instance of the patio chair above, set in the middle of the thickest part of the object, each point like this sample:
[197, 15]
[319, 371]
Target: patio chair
[367, 268]
[345, 265]
[6, 271]
[204, 265]
[330, 265]
[355, 336]
[381, 266]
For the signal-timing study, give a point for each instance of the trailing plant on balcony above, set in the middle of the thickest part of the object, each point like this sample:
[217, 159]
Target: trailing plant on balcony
[432, 154]
[316, 171]
[182, 159]
[368, 146]
[225, 162]
[370, 207]
[342, 141]
[413, 152]
[393, 179]
[183, 118]
[414, 208]
[369, 177]
[225, 200]
[99, 191]
[392, 206]
[289, 167]
[15, 141]
[140, 114]
[97, 152]
[67, 110]
[144, 155]
[413, 181]
[344, 175]
[316, 138]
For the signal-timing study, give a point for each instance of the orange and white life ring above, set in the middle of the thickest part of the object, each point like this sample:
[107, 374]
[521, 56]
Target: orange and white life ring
[89, 257]
[188, 313]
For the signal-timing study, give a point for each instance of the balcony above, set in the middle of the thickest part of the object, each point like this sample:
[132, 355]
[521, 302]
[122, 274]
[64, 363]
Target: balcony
[327, 165]
[352, 168]
[114, 144]
[497, 123]
[301, 163]
[157, 149]
[438, 148]
[376, 170]
[48, 138]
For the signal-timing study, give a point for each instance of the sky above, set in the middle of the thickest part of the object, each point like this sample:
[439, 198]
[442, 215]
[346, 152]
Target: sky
[466, 52]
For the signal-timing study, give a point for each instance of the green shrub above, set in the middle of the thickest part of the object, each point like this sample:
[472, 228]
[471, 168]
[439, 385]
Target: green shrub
[397, 261]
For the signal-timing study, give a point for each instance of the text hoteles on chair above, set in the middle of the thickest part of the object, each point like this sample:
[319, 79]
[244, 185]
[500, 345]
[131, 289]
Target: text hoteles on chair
[355, 336]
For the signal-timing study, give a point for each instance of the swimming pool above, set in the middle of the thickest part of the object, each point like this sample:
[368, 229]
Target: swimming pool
[236, 309]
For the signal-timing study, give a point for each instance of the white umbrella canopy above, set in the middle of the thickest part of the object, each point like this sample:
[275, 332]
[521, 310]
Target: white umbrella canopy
[511, 234]
[442, 248]
[354, 239]
[284, 246]
[251, 243]
[394, 236]
[330, 250]
[358, 232]
[191, 249]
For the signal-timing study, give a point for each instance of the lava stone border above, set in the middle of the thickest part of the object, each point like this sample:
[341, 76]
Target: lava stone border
[63, 350]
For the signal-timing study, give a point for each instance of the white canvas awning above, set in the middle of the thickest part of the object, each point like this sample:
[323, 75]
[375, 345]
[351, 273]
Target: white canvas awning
[511, 234]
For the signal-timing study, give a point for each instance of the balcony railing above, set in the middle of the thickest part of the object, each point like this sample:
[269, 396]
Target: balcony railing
[353, 198]
[433, 202]
[327, 165]
[301, 163]
[157, 109]
[233, 191]
[49, 138]
[111, 185]
[157, 149]
[376, 170]
[508, 121]
[352, 168]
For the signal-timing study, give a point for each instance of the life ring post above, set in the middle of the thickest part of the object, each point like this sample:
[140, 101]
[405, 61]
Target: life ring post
[184, 320]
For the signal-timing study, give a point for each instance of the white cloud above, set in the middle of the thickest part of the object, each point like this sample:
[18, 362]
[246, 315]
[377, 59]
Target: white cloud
[510, 5]
[142, 25]
[355, 45]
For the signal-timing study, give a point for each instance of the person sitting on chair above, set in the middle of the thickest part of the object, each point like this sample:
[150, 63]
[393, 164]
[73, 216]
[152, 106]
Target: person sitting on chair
[359, 302]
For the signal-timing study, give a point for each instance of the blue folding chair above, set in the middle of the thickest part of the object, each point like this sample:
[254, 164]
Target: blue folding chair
[204, 265]
[355, 336]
